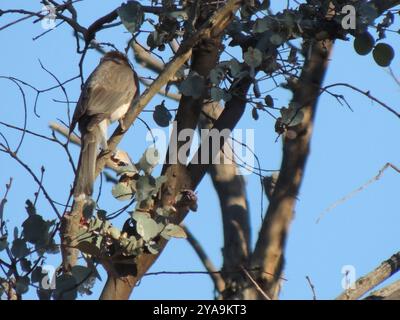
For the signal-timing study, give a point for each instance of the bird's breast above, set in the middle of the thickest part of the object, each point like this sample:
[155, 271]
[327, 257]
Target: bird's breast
[120, 112]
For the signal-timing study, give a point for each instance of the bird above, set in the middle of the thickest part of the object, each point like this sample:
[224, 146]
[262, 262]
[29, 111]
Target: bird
[106, 96]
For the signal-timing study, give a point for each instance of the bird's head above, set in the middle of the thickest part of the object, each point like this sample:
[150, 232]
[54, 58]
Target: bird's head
[115, 56]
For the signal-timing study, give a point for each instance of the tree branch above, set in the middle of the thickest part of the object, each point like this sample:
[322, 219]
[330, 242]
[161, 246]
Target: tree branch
[372, 279]
[269, 250]
[121, 287]
[219, 282]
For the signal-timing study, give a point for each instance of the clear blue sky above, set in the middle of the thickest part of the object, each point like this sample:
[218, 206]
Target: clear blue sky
[348, 148]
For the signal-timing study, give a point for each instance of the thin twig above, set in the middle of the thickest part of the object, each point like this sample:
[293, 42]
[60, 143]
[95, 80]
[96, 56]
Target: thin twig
[312, 287]
[219, 282]
[258, 288]
[358, 190]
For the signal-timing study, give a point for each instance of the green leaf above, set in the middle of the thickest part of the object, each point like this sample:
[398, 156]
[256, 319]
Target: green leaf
[253, 57]
[364, 43]
[25, 264]
[234, 67]
[30, 208]
[174, 231]
[37, 275]
[114, 232]
[35, 229]
[3, 243]
[130, 245]
[383, 54]
[22, 285]
[147, 228]
[193, 85]
[153, 247]
[254, 114]
[130, 168]
[66, 287]
[131, 15]
[161, 115]
[102, 214]
[216, 75]
[261, 25]
[140, 215]
[269, 101]
[368, 13]
[276, 39]
[122, 191]
[218, 94]
[44, 294]
[19, 248]
[144, 188]
[82, 276]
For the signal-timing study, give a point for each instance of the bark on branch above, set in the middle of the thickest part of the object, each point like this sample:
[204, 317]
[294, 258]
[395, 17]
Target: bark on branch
[372, 279]
[269, 250]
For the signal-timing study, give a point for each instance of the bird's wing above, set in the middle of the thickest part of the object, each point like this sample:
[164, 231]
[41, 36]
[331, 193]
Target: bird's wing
[109, 86]
[112, 85]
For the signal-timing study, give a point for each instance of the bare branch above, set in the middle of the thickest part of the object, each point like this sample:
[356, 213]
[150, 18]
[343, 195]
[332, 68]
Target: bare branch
[256, 285]
[365, 93]
[219, 282]
[269, 250]
[358, 190]
[372, 279]
[390, 292]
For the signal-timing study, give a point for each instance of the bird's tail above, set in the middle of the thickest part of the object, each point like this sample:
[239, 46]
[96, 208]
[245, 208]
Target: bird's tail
[85, 173]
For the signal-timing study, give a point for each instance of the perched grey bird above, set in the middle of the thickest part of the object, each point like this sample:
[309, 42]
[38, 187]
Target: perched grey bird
[106, 97]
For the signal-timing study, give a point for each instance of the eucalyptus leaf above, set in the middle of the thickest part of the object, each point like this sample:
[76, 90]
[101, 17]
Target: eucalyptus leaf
[234, 67]
[19, 248]
[254, 114]
[25, 264]
[147, 228]
[253, 57]
[269, 101]
[131, 15]
[122, 191]
[35, 229]
[66, 287]
[364, 43]
[161, 115]
[3, 243]
[174, 231]
[261, 25]
[383, 54]
[30, 208]
[37, 275]
[84, 278]
[22, 285]
[218, 94]
[193, 85]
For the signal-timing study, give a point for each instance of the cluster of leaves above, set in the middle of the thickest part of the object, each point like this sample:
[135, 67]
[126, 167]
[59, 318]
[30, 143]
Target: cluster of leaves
[171, 22]
[27, 253]
[65, 286]
[27, 249]
[98, 238]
